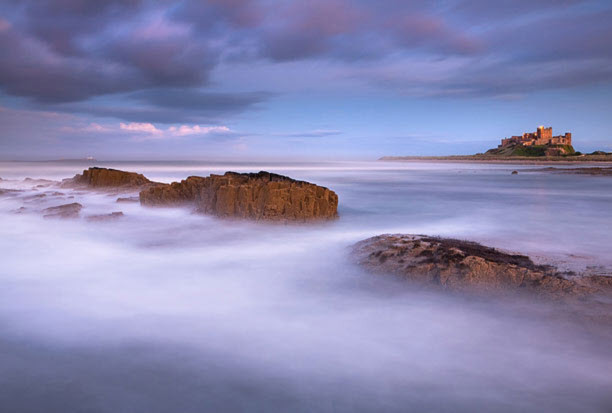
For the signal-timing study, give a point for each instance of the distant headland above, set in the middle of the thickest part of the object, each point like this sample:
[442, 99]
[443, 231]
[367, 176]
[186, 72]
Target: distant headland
[530, 147]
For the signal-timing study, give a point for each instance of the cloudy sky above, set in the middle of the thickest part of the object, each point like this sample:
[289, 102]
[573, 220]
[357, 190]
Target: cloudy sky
[136, 79]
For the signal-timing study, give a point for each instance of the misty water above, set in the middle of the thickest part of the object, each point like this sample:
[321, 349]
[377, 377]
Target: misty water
[164, 310]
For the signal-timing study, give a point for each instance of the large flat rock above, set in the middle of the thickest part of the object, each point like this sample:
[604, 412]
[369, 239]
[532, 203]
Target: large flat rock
[468, 266]
[63, 211]
[258, 196]
[108, 178]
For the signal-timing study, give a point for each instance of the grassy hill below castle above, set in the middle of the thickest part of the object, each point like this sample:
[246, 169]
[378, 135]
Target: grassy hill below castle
[533, 151]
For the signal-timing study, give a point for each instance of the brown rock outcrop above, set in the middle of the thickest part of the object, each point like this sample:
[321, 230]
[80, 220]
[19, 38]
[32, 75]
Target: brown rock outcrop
[107, 178]
[63, 211]
[465, 266]
[258, 196]
[177, 193]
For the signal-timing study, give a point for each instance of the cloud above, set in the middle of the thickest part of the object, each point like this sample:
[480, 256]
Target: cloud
[93, 127]
[317, 133]
[4, 25]
[166, 55]
[169, 106]
[84, 60]
[147, 128]
[145, 131]
[198, 100]
[185, 130]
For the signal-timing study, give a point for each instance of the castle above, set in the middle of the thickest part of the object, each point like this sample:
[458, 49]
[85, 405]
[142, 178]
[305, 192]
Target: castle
[542, 136]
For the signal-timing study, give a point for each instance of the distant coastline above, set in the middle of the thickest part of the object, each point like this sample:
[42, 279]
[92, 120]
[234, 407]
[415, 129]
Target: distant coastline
[530, 148]
[527, 160]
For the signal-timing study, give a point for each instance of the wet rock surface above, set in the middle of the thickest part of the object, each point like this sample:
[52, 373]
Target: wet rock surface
[468, 266]
[258, 196]
[63, 211]
[605, 171]
[107, 178]
[128, 199]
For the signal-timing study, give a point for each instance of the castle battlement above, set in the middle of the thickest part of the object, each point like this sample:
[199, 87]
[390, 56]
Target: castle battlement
[542, 136]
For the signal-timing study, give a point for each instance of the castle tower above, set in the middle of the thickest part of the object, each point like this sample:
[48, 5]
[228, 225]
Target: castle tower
[543, 135]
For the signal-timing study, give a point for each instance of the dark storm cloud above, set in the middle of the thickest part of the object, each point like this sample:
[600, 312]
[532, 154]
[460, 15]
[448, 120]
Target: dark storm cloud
[575, 37]
[499, 79]
[59, 51]
[198, 100]
[505, 9]
[168, 106]
[209, 15]
[72, 50]
[60, 23]
[331, 28]
[28, 69]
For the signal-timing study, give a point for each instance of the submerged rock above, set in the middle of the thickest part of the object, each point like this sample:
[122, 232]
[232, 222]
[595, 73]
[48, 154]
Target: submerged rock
[258, 196]
[63, 211]
[9, 192]
[34, 198]
[128, 199]
[105, 217]
[601, 171]
[107, 178]
[514, 173]
[464, 266]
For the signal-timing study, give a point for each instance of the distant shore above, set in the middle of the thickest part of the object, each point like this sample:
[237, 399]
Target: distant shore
[526, 160]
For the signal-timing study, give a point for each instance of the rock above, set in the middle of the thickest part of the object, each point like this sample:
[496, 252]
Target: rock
[606, 171]
[9, 192]
[555, 151]
[128, 199]
[34, 198]
[177, 193]
[463, 266]
[20, 210]
[63, 211]
[514, 172]
[107, 178]
[258, 196]
[39, 182]
[105, 217]
[602, 283]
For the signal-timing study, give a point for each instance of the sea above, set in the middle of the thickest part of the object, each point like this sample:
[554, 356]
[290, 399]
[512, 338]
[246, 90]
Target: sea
[166, 310]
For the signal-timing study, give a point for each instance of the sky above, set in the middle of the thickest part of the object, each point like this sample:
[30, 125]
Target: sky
[317, 79]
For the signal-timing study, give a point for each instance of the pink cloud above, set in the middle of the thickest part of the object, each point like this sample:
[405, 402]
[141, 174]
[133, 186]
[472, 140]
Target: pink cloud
[92, 127]
[184, 130]
[150, 131]
[4, 25]
[140, 128]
